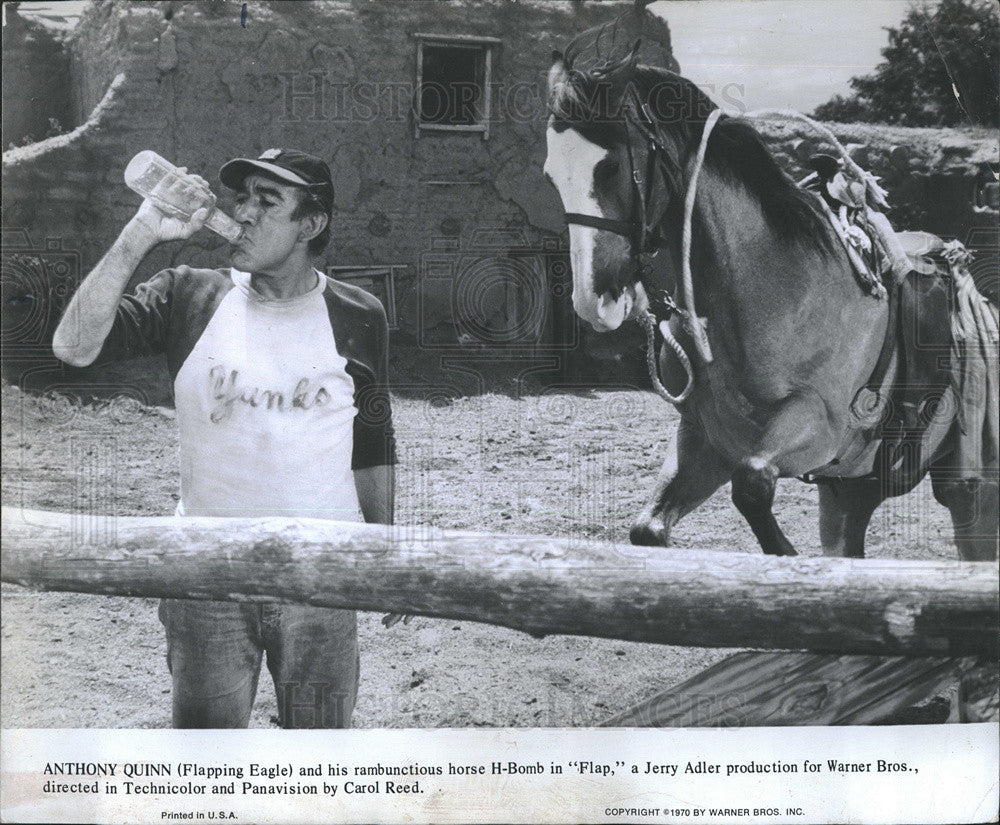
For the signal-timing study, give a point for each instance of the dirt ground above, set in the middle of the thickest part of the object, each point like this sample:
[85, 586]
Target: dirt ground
[564, 463]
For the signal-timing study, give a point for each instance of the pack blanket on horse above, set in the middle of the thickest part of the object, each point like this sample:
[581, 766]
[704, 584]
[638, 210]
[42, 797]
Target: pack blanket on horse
[942, 332]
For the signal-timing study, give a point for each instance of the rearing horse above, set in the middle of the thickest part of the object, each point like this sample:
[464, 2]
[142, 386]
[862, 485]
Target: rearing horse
[793, 336]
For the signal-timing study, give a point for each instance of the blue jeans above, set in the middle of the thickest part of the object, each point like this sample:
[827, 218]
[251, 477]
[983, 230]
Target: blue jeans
[214, 652]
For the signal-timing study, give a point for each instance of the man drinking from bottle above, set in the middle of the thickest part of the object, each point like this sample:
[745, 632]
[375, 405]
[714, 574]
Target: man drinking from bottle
[279, 380]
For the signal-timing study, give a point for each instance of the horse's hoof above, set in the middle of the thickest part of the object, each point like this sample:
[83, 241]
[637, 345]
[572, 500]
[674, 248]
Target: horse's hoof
[648, 534]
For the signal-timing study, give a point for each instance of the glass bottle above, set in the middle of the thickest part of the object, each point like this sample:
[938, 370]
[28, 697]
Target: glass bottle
[177, 194]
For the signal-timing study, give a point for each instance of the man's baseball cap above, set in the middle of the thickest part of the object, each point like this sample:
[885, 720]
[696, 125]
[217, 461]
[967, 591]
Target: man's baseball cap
[288, 166]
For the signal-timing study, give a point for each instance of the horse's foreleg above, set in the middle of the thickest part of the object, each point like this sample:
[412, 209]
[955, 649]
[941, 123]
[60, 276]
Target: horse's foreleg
[692, 472]
[845, 508]
[796, 439]
[754, 483]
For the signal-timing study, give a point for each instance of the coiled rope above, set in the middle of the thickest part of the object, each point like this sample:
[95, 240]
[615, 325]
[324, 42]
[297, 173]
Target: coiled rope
[648, 321]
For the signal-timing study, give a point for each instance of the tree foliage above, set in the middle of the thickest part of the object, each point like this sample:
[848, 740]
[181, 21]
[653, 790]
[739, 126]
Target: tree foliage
[940, 69]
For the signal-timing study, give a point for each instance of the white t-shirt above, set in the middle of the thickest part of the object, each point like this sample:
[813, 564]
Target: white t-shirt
[266, 409]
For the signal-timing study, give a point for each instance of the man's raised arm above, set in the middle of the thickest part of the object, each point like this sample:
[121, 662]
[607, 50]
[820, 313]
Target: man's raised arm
[91, 312]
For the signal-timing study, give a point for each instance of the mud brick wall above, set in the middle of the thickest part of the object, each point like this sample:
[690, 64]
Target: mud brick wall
[35, 81]
[931, 174]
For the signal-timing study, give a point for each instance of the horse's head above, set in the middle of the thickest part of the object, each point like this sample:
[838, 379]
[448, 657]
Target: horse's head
[617, 139]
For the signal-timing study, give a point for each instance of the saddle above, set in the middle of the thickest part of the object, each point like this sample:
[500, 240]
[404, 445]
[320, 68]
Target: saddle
[923, 250]
[913, 271]
[872, 245]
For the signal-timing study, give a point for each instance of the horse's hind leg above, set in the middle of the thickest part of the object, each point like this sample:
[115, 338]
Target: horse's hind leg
[692, 472]
[845, 509]
[974, 506]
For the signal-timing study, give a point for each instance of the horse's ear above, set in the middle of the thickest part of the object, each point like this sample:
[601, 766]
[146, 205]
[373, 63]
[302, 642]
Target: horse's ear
[620, 66]
[559, 73]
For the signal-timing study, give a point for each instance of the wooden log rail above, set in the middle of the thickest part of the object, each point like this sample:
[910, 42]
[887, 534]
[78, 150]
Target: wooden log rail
[537, 584]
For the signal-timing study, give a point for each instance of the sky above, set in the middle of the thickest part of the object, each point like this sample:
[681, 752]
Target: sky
[791, 54]
[767, 53]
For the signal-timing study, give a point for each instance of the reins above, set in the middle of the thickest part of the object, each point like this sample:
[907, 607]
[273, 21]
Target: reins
[693, 322]
[648, 322]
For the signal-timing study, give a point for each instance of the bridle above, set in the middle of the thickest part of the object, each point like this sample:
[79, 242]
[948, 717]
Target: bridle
[641, 229]
[641, 233]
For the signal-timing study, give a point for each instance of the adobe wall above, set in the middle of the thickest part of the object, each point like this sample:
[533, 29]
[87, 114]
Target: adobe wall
[36, 74]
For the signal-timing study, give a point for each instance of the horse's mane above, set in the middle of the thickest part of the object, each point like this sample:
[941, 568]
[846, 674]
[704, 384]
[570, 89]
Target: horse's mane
[591, 102]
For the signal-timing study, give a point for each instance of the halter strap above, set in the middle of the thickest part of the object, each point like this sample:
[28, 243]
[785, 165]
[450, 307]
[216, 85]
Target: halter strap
[642, 226]
[595, 222]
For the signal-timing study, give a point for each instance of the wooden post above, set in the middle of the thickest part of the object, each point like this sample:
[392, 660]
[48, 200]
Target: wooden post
[541, 585]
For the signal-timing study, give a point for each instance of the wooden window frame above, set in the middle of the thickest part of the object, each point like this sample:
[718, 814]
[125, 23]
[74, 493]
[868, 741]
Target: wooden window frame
[488, 45]
[367, 272]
